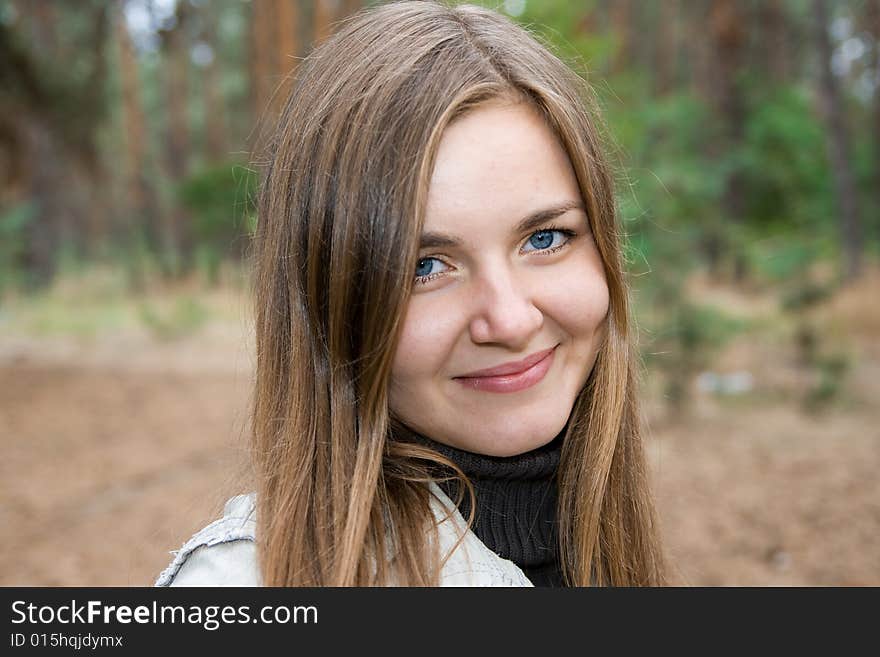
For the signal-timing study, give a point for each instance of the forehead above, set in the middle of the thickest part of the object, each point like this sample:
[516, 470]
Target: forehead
[495, 164]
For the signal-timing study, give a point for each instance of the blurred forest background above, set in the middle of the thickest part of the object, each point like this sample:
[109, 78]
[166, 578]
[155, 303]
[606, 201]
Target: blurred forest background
[746, 136]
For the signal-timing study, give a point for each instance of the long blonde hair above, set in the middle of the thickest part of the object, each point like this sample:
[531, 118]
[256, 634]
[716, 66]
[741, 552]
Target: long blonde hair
[342, 497]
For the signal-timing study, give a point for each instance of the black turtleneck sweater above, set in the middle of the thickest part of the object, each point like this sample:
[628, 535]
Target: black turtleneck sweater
[516, 505]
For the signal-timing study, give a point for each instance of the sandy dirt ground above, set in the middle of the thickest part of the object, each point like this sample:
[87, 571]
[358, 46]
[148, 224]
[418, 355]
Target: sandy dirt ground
[115, 452]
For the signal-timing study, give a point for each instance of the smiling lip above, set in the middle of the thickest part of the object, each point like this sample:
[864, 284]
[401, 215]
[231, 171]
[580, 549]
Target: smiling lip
[510, 377]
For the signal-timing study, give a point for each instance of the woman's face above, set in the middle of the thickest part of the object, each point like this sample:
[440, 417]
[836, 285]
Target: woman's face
[508, 275]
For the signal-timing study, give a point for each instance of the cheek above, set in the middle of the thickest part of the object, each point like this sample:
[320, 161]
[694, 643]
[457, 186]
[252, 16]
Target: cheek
[427, 338]
[579, 302]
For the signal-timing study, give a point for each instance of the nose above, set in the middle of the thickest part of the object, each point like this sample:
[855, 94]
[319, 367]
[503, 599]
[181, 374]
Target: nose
[504, 312]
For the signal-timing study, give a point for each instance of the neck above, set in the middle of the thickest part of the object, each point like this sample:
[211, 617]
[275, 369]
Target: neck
[515, 513]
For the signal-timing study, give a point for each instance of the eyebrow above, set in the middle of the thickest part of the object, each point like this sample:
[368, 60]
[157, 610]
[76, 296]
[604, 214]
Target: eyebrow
[432, 240]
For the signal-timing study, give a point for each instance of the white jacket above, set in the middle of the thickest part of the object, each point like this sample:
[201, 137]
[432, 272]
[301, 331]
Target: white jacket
[224, 553]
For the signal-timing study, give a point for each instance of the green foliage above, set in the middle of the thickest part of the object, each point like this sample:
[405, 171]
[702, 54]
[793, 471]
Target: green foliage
[185, 317]
[50, 315]
[13, 224]
[220, 200]
[685, 340]
[138, 262]
[560, 23]
[783, 258]
[807, 294]
[704, 328]
[783, 165]
[832, 370]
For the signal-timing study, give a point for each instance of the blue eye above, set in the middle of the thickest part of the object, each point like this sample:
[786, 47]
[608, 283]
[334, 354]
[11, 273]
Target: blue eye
[425, 267]
[547, 239]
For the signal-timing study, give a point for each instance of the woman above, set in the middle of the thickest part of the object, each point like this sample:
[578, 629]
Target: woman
[445, 378]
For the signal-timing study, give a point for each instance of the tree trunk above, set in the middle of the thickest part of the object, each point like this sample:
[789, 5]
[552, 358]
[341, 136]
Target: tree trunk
[837, 139]
[178, 236]
[773, 41]
[872, 18]
[262, 63]
[96, 211]
[697, 50]
[325, 14]
[215, 106]
[41, 164]
[45, 24]
[664, 79]
[43, 231]
[54, 119]
[286, 46]
[621, 23]
[727, 27]
[140, 196]
[350, 7]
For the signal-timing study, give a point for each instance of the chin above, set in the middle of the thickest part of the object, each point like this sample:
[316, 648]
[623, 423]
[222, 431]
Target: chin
[505, 445]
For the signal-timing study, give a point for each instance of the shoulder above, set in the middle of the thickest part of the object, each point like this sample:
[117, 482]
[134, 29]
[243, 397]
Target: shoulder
[221, 554]
[471, 563]
[224, 553]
